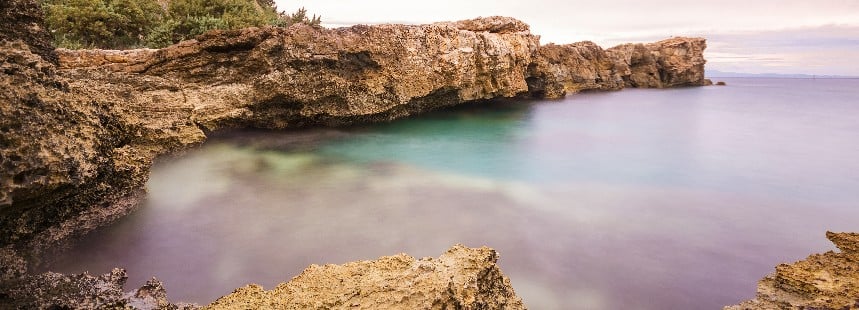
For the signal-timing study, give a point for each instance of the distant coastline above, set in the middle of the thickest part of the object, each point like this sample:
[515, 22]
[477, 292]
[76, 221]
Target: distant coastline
[722, 74]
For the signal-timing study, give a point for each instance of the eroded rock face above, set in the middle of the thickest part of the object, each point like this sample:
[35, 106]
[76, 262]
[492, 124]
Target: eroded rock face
[23, 20]
[668, 63]
[821, 281]
[77, 140]
[558, 70]
[83, 291]
[461, 278]
[299, 76]
[64, 169]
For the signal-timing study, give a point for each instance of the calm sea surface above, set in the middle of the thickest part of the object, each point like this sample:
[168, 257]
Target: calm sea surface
[638, 199]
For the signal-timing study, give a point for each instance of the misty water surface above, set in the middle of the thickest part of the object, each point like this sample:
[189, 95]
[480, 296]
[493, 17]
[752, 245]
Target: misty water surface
[639, 199]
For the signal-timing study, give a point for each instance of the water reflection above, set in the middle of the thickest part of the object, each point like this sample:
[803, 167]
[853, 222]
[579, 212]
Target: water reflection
[633, 199]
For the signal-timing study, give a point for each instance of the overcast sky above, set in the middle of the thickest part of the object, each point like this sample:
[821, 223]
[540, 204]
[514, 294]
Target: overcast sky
[751, 36]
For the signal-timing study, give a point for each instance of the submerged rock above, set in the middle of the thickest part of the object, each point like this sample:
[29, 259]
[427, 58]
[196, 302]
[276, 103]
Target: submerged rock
[821, 281]
[461, 278]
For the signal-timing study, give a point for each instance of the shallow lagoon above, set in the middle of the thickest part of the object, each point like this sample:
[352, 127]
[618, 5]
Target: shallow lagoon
[638, 199]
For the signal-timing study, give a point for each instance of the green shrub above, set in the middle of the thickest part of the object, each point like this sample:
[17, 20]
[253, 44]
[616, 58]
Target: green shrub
[136, 23]
[101, 23]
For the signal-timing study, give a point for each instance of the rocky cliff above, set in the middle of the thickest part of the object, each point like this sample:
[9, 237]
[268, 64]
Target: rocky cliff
[112, 112]
[668, 63]
[821, 281]
[558, 70]
[78, 133]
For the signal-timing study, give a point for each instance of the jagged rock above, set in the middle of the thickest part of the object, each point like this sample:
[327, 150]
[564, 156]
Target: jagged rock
[821, 281]
[22, 20]
[78, 152]
[558, 70]
[83, 291]
[461, 278]
[494, 24]
[12, 266]
[668, 63]
[60, 173]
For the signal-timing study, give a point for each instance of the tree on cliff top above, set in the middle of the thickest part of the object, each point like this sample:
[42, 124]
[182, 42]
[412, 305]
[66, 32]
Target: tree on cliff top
[150, 23]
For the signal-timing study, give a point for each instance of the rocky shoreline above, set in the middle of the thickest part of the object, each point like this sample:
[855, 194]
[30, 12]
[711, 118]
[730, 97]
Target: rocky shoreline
[80, 129]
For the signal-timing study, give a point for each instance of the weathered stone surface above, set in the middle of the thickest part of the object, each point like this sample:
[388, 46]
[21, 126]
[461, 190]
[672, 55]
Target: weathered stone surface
[302, 75]
[821, 281]
[22, 20]
[558, 70]
[461, 278]
[83, 291]
[673, 62]
[81, 139]
[77, 140]
[57, 152]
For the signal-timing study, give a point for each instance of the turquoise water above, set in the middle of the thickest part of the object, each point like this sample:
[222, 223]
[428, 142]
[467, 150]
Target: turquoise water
[639, 199]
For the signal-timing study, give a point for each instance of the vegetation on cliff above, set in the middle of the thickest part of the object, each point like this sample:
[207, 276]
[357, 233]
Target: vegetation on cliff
[118, 24]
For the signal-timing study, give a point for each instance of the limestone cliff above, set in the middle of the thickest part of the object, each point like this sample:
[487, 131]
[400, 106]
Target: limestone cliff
[122, 109]
[821, 281]
[667, 63]
[77, 140]
[558, 70]
[298, 76]
[81, 140]
[461, 278]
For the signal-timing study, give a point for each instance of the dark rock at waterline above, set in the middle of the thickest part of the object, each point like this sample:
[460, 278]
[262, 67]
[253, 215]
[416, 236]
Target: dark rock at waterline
[720, 83]
[82, 291]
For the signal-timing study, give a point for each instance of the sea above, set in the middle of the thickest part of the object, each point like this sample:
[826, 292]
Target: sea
[635, 199]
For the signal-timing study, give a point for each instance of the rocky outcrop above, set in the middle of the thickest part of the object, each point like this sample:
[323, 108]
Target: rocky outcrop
[83, 291]
[668, 63]
[299, 76]
[77, 140]
[461, 278]
[23, 20]
[821, 281]
[558, 70]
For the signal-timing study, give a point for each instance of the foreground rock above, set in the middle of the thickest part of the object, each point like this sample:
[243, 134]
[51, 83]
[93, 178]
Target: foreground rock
[461, 278]
[821, 281]
[83, 291]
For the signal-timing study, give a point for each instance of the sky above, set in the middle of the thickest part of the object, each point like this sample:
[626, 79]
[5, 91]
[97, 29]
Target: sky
[750, 36]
